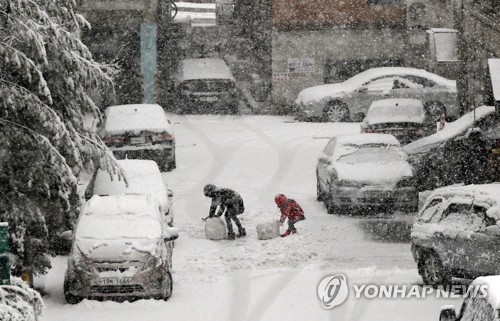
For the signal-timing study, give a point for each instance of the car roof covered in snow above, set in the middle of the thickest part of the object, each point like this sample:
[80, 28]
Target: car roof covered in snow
[143, 177]
[485, 194]
[118, 217]
[320, 92]
[395, 111]
[451, 130]
[203, 68]
[367, 139]
[136, 118]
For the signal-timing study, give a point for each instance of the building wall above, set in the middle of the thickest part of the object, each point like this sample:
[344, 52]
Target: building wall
[322, 47]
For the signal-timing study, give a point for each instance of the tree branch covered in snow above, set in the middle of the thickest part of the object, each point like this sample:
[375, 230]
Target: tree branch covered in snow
[46, 78]
[18, 302]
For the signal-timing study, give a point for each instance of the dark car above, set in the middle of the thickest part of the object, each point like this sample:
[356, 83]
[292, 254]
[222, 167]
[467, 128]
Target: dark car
[457, 233]
[405, 119]
[205, 86]
[465, 151]
[140, 131]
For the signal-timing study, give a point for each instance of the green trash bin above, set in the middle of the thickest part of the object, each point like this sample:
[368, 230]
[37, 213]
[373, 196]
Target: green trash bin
[4, 254]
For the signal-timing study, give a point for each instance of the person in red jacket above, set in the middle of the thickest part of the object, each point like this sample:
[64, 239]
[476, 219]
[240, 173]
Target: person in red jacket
[291, 210]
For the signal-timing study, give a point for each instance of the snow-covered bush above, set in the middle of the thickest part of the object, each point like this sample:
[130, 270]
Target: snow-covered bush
[47, 75]
[18, 302]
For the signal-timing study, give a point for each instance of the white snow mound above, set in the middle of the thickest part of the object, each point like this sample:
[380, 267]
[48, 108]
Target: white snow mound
[215, 228]
[268, 230]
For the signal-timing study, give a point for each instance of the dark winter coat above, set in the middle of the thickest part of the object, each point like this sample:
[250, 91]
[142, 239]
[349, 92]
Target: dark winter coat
[291, 210]
[226, 200]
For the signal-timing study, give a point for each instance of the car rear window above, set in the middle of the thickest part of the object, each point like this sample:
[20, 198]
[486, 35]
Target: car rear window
[429, 214]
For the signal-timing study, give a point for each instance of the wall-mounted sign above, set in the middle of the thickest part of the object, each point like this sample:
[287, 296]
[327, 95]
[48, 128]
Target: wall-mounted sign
[300, 65]
[280, 77]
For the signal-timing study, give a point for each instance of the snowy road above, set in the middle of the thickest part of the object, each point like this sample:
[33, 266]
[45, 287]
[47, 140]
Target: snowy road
[247, 279]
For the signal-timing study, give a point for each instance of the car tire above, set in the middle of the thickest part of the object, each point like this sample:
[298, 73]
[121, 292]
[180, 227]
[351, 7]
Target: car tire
[434, 110]
[70, 298]
[433, 271]
[336, 111]
[319, 193]
[170, 287]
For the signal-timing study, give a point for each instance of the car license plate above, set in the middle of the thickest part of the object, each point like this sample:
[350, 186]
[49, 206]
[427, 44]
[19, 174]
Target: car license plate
[381, 195]
[209, 99]
[114, 281]
[137, 140]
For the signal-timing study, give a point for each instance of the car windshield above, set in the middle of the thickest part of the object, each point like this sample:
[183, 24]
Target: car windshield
[373, 154]
[111, 227]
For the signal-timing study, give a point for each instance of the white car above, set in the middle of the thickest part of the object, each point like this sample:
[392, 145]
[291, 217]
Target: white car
[122, 248]
[140, 131]
[142, 177]
[349, 100]
[365, 170]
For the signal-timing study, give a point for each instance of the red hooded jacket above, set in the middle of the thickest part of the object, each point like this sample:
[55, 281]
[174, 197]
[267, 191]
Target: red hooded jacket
[288, 208]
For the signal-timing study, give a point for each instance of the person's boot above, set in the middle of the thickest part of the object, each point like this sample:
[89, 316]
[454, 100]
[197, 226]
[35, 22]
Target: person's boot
[230, 236]
[294, 230]
[242, 232]
[285, 234]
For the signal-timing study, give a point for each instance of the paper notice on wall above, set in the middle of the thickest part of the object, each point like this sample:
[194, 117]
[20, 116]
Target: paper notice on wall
[300, 65]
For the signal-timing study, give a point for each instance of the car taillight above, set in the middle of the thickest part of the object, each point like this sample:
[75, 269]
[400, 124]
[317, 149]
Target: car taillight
[156, 138]
[113, 139]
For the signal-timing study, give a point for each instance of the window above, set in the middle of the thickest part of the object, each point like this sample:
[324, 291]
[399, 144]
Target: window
[429, 214]
[420, 81]
[456, 216]
[384, 84]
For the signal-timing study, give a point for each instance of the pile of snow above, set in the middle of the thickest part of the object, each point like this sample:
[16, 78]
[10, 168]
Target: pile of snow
[135, 119]
[268, 230]
[215, 228]
[451, 130]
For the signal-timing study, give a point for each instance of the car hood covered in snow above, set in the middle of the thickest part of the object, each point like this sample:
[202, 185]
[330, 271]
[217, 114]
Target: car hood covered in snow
[373, 173]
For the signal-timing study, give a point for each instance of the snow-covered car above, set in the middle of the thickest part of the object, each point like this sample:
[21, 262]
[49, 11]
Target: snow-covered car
[405, 119]
[365, 170]
[142, 177]
[205, 85]
[462, 152]
[457, 233]
[140, 131]
[349, 100]
[480, 303]
[122, 248]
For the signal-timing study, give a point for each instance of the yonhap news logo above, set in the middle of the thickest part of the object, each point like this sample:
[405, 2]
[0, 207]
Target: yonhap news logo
[333, 291]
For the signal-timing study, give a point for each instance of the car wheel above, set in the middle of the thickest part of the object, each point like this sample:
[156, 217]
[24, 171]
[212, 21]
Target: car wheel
[433, 271]
[70, 298]
[434, 110]
[319, 194]
[169, 288]
[336, 111]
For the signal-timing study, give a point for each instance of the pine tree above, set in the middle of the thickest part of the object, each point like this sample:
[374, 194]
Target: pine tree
[47, 76]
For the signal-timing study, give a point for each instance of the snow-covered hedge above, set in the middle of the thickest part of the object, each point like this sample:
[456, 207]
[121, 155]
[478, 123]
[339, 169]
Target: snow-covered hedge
[18, 302]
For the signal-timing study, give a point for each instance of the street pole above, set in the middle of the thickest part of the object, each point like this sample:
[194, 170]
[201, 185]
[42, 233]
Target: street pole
[4, 254]
[148, 60]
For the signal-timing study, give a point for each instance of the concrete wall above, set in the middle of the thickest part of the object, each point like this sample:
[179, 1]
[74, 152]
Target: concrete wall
[337, 43]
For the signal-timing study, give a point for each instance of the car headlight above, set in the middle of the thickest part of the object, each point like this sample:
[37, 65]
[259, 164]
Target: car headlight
[150, 264]
[406, 182]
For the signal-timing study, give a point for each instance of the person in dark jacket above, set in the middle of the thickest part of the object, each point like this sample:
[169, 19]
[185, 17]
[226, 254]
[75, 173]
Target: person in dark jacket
[290, 209]
[225, 200]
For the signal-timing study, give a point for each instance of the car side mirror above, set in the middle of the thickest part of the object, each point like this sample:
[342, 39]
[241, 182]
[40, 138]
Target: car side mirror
[171, 238]
[447, 314]
[493, 230]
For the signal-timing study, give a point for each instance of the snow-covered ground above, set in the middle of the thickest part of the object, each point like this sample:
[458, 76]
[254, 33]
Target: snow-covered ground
[248, 279]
